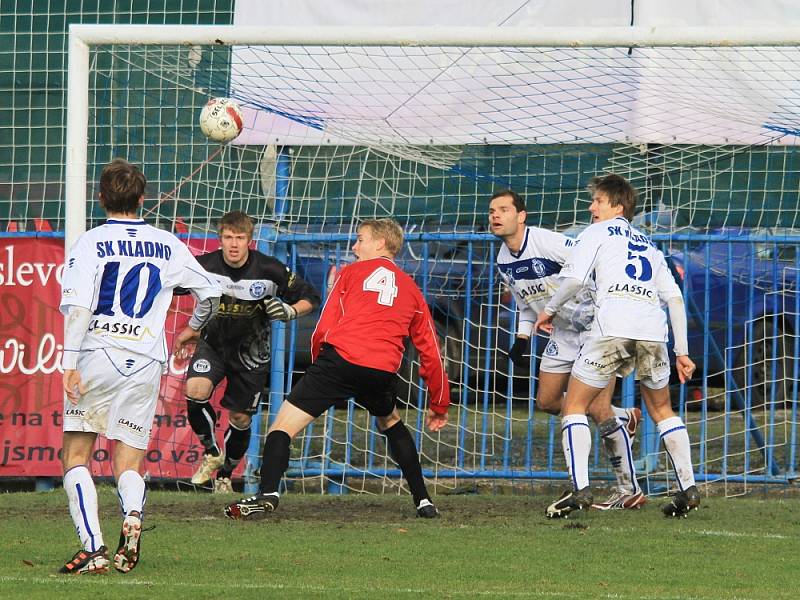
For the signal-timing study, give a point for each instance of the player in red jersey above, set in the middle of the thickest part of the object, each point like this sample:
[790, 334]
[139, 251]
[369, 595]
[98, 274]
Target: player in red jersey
[356, 349]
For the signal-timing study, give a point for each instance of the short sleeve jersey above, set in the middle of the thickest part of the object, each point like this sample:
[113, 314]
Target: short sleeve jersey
[632, 280]
[124, 272]
[371, 309]
[533, 273]
[240, 330]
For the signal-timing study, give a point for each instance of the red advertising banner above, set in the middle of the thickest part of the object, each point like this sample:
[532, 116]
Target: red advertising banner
[31, 396]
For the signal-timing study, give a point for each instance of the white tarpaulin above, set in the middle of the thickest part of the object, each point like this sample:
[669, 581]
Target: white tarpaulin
[422, 95]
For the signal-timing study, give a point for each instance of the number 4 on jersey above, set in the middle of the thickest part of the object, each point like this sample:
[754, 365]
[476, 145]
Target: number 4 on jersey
[381, 280]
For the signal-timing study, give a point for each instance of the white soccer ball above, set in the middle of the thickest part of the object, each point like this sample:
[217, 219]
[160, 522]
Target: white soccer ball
[221, 120]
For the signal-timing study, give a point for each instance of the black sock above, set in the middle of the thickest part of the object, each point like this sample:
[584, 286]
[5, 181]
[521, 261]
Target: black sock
[274, 461]
[404, 453]
[203, 420]
[236, 442]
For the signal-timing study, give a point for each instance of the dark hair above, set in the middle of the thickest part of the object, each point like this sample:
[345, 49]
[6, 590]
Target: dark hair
[518, 202]
[238, 222]
[619, 191]
[121, 186]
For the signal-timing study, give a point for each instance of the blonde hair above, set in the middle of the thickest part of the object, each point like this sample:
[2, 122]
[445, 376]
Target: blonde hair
[388, 230]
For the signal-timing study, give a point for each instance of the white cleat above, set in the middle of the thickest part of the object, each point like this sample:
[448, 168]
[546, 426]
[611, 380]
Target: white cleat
[207, 468]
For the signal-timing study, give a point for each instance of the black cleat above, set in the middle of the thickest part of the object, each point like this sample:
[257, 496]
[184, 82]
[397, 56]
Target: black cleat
[426, 509]
[682, 502]
[85, 562]
[254, 507]
[569, 501]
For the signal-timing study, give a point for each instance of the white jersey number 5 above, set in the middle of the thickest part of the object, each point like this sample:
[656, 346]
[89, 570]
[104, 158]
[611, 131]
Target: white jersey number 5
[381, 280]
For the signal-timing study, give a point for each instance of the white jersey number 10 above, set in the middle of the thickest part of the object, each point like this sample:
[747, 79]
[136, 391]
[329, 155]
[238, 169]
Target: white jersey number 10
[381, 280]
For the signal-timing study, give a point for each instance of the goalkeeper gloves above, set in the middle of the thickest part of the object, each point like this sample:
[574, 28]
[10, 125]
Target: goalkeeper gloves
[279, 311]
[520, 352]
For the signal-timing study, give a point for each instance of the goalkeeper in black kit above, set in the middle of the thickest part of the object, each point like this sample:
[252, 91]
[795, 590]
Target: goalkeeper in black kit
[235, 345]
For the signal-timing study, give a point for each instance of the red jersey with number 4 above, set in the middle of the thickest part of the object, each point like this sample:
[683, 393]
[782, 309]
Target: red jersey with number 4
[372, 307]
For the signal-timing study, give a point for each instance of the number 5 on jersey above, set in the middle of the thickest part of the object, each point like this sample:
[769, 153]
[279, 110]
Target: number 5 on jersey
[381, 280]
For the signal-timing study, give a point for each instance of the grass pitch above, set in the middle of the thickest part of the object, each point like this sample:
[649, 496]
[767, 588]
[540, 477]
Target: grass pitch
[361, 546]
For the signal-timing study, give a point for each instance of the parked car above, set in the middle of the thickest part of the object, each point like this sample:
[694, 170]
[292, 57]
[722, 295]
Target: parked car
[742, 308]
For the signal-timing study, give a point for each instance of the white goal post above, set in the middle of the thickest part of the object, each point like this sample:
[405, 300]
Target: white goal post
[424, 124]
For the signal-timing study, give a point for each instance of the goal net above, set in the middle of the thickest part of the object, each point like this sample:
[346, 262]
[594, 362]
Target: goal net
[423, 126]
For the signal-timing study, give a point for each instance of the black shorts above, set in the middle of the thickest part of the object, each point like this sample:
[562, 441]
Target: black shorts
[245, 387]
[331, 378]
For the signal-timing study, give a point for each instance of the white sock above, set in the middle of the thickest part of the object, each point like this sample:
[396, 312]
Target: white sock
[617, 446]
[576, 440]
[621, 414]
[131, 491]
[82, 497]
[676, 441]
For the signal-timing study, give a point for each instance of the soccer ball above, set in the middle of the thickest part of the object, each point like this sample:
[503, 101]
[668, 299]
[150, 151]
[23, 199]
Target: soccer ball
[221, 120]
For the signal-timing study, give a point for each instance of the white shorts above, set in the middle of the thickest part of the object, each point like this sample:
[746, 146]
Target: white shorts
[601, 358]
[562, 350]
[121, 396]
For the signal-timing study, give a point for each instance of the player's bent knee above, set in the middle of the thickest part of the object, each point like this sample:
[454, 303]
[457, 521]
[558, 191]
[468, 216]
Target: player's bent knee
[549, 405]
[199, 389]
[389, 421]
[656, 385]
[239, 420]
[77, 449]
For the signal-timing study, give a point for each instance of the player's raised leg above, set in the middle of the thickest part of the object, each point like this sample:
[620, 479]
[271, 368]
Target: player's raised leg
[617, 446]
[132, 495]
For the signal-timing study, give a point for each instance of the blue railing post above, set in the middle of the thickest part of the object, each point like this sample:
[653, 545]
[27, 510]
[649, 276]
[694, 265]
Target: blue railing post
[268, 244]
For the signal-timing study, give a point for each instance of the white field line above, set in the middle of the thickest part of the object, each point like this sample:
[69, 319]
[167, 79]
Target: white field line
[712, 533]
[112, 581]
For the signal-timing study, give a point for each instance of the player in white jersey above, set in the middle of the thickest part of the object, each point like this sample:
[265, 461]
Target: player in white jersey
[116, 291]
[629, 332]
[530, 262]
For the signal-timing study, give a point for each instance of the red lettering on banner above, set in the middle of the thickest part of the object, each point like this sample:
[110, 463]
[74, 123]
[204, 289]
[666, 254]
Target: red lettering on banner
[31, 394]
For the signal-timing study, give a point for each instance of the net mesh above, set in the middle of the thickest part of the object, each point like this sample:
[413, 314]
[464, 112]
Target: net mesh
[334, 135]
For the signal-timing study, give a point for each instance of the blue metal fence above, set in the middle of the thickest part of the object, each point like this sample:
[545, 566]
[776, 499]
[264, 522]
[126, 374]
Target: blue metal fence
[741, 410]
